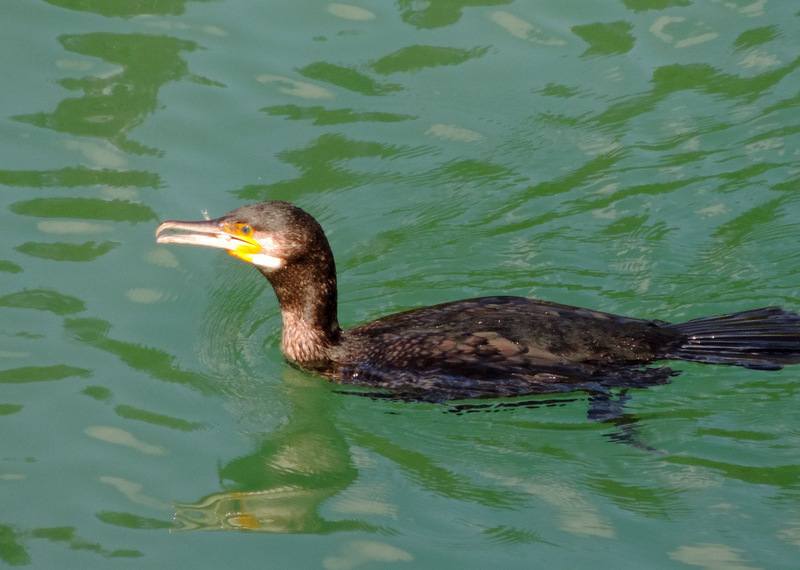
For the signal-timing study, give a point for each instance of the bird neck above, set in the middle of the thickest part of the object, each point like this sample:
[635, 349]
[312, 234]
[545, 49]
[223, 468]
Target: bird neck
[307, 296]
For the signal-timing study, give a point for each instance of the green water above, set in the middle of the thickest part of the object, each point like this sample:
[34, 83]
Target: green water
[640, 157]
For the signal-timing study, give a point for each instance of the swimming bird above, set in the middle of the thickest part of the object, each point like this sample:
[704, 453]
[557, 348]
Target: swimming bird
[474, 348]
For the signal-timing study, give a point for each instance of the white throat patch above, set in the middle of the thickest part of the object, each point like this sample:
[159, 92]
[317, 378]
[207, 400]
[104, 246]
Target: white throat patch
[264, 259]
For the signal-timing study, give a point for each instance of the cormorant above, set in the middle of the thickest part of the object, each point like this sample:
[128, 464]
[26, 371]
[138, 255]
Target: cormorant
[484, 347]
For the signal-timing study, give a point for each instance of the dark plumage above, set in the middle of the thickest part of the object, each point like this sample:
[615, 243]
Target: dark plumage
[486, 347]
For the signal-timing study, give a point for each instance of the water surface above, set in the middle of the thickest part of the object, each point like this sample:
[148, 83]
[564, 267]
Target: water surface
[639, 157]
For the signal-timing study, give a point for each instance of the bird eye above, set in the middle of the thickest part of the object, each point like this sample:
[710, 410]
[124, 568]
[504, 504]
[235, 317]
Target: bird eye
[245, 230]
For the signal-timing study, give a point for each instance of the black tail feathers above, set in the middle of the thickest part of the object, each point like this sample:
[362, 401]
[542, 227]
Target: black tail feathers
[762, 339]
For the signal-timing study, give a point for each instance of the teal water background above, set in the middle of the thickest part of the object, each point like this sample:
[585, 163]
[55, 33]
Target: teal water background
[640, 157]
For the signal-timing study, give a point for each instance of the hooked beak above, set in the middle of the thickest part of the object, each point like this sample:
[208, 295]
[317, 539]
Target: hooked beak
[236, 239]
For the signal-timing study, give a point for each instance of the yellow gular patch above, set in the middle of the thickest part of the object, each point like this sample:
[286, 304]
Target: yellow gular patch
[255, 252]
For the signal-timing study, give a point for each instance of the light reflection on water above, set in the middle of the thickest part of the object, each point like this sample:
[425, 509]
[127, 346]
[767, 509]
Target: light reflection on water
[637, 157]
